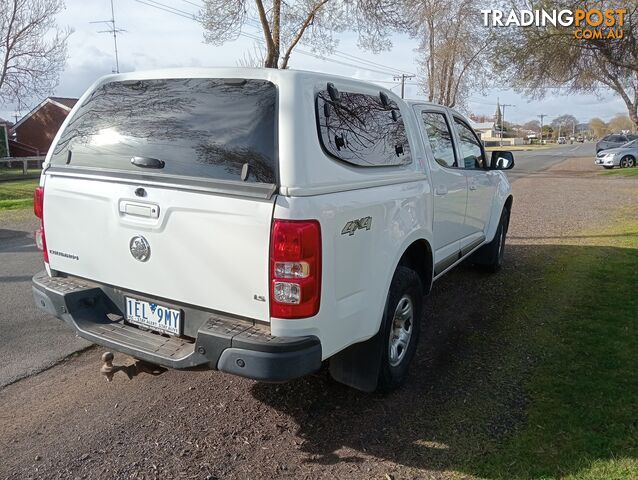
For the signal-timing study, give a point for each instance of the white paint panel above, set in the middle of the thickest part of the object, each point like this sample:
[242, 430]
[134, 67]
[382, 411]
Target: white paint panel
[207, 250]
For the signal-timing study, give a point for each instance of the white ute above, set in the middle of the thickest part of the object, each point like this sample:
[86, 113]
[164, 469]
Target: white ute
[261, 221]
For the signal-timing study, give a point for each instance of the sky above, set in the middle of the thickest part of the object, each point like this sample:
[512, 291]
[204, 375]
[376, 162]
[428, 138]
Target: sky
[155, 38]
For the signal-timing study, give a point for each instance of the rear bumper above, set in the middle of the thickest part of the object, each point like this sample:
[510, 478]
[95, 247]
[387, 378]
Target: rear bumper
[222, 342]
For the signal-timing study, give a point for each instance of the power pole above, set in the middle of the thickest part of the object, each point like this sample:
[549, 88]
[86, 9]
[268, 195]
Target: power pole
[402, 78]
[541, 117]
[503, 119]
[114, 31]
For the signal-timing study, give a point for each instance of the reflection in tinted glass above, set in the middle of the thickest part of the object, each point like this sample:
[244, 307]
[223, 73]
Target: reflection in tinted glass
[360, 130]
[470, 146]
[204, 128]
[440, 138]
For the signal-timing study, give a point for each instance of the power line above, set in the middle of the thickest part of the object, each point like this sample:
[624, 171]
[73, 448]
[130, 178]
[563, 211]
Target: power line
[169, 9]
[182, 13]
[256, 23]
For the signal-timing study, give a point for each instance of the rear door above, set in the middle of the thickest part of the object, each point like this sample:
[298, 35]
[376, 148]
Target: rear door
[166, 188]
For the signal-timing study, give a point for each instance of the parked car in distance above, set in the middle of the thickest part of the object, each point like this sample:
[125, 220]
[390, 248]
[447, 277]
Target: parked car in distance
[624, 156]
[614, 140]
[580, 139]
[562, 140]
[260, 221]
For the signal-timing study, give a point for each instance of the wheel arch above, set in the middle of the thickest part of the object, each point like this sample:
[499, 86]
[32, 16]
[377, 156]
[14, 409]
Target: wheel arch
[419, 257]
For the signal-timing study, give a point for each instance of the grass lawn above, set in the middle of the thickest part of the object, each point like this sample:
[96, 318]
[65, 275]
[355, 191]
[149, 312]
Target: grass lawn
[582, 394]
[623, 172]
[18, 194]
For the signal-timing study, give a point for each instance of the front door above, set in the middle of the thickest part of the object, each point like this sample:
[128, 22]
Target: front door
[481, 185]
[449, 184]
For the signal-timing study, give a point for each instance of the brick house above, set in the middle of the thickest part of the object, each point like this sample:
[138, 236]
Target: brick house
[32, 134]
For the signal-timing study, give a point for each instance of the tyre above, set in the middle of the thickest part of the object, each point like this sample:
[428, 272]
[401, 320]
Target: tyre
[627, 161]
[400, 328]
[490, 256]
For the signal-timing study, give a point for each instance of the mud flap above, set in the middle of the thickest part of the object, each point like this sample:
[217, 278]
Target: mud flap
[358, 365]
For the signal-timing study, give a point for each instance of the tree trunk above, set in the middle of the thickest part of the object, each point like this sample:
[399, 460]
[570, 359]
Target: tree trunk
[276, 31]
[271, 59]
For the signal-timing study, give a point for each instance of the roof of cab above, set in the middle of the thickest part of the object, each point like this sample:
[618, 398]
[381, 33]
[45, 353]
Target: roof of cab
[271, 74]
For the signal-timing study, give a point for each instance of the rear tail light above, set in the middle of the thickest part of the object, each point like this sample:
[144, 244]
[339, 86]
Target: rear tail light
[38, 209]
[295, 268]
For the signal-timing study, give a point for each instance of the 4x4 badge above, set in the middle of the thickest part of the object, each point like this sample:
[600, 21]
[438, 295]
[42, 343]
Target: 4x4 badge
[352, 226]
[140, 249]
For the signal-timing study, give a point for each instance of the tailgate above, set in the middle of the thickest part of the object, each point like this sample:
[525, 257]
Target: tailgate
[207, 250]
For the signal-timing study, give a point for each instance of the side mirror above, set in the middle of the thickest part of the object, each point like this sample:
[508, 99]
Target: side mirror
[502, 160]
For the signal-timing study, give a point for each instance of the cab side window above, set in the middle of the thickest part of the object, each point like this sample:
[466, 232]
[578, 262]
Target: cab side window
[440, 137]
[471, 149]
[361, 130]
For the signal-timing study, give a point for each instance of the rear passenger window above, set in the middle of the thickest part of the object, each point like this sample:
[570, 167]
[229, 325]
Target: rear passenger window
[471, 149]
[362, 130]
[440, 138]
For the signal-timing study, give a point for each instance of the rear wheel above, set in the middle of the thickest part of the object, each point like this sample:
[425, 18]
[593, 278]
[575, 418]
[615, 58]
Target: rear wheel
[400, 328]
[627, 161]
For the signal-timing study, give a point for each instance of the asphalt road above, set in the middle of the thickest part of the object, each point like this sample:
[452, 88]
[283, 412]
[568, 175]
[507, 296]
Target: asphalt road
[31, 340]
[533, 162]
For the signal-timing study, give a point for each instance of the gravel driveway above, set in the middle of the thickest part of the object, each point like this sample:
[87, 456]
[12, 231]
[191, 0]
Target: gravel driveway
[67, 422]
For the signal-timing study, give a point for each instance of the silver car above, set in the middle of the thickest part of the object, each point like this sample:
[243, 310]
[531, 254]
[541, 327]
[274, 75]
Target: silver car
[623, 156]
[614, 140]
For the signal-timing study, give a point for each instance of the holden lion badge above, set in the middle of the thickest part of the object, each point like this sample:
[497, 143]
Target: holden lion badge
[140, 249]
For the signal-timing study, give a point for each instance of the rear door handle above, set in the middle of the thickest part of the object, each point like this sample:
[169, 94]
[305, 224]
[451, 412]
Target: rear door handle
[472, 186]
[440, 190]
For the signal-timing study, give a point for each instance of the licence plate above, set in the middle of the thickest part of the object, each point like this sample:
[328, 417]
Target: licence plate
[153, 316]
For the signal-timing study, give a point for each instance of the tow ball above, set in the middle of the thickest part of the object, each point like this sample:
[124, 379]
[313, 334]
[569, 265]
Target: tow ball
[107, 368]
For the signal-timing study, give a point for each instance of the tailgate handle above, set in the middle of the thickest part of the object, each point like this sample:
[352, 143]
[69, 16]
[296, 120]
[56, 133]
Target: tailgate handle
[148, 210]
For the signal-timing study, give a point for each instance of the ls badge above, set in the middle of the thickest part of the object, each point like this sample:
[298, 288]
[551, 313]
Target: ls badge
[140, 249]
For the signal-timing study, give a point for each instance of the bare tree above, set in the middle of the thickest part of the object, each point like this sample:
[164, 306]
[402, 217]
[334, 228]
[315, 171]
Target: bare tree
[285, 25]
[539, 59]
[598, 127]
[453, 50]
[32, 48]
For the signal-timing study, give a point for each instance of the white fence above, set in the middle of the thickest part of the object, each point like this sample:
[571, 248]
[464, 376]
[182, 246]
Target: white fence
[19, 166]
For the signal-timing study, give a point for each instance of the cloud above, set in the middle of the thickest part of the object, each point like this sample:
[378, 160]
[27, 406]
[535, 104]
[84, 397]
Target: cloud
[157, 39]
